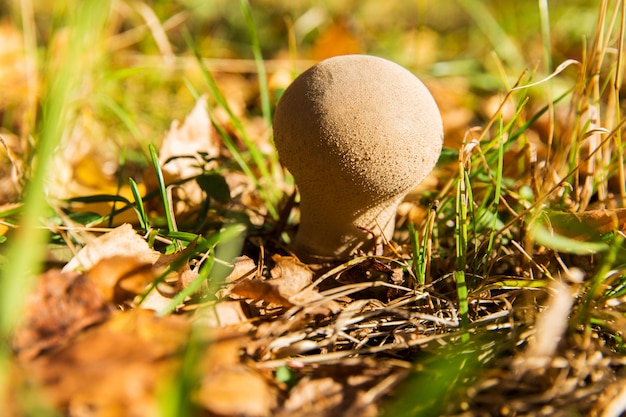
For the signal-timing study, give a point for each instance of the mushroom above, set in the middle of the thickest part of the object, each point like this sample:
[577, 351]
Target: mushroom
[358, 133]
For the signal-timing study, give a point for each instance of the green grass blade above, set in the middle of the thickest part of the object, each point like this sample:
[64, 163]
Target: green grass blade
[509, 284]
[428, 392]
[144, 221]
[496, 197]
[26, 250]
[262, 74]
[11, 211]
[227, 246]
[499, 39]
[544, 16]
[461, 237]
[99, 198]
[123, 115]
[269, 193]
[543, 236]
[583, 316]
[162, 189]
[258, 59]
[417, 255]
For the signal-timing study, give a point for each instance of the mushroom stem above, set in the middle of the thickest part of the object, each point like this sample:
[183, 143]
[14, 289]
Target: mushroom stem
[322, 237]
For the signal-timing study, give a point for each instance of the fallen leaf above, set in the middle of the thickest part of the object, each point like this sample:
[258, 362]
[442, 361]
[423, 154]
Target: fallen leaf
[156, 301]
[120, 278]
[587, 225]
[87, 165]
[244, 267]
[223, 314]
[112, 369]
[289, 285]
[121, 241]
[236, 391]
[189, 138]
[314, 395]
[61, 305]
[260, 290]
[231, 388]
[179, 154]
[293, 280]
[293, 274]
[339, 389]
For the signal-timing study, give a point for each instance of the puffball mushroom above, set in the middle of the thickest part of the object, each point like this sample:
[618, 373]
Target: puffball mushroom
[358, 133]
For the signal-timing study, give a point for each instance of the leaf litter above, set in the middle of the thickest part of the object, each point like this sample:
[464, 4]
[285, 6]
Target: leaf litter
[346, 335]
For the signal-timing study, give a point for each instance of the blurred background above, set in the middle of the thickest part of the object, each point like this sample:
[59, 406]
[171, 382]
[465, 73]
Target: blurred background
[143, 75]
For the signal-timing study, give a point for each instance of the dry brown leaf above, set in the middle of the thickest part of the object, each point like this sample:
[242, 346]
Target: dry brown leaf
[121, 241]
[223, 314]
[229, 387]
[61, 305]
[236, 391]
[260, 290]
[244, 268]
[314, 395]
[113, 368]
[293, 280]
[120, 278]
[86, 164]
[156, 301]
[188, 139]
[288, 286]
[290, 268]
[588, 224]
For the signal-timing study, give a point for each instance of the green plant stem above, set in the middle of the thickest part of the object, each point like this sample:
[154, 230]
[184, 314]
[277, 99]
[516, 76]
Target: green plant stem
[144, 221]
[267, 189]
[264, 91]
[227, 246]
[544, 15]
[497, 195]
[162, 189]
[418, 259]
[461, 237]
[593, 294]
[258, 59]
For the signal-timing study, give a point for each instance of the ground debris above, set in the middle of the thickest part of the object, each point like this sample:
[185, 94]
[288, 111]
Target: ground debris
[287, 339]
[61, 305]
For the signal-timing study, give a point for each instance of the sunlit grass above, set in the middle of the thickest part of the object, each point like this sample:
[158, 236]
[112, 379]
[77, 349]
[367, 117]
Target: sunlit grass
[26, 250]
[507, 179]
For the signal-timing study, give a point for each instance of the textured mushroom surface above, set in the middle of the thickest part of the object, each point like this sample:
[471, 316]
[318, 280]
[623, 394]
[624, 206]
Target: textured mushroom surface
[357, 132]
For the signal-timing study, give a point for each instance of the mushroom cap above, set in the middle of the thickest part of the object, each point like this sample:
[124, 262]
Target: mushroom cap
[356, 131]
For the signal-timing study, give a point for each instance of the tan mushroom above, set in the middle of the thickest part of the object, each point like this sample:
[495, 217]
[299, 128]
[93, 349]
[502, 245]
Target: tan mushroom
[357, 132]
